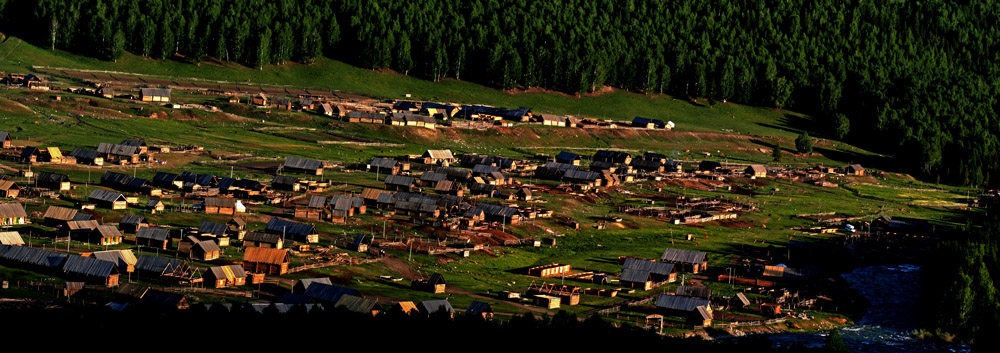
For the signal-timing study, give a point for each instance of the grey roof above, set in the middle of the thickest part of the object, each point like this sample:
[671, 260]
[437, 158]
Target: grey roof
[386, 163]
[134, 142]
[581, 175]
[165, 178]
[660, 268]
[484, 169]
[156, 264]
[109, 178]
[46, 177]
[477, 308]
[108, 196]
[80, 153]
[213, 228]
[356, 304]
[284, 180]
[260, 237]
[159, 234]
[278, 225]
[683, 256]
[132, 219]
[692, 291]
[682, 303]
[327, 292]
[635, 275]
[432, 176]
[302, 163]
[306, 282]
[107, 230]
[567, 156]
[117, 150]
[88, 266]
[497, 210]
[398, 180]
[316, 201]
[31, 256]
[4, 136]
[434, 306]
[155, 92]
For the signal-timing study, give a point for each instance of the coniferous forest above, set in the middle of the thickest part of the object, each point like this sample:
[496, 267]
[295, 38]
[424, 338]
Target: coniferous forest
[918, 71]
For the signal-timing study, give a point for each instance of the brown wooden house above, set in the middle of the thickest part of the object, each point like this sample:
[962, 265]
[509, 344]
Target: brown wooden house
[265, 260]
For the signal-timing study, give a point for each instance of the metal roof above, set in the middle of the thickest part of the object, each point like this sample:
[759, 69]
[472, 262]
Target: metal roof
[302, 163]
[484, 169]
[284, 180]
[683, 256]
[434, 306]
[682, 303]
[327, 292]
[107, 230]
[4, 136]
[356, 304]
[12, 210]
[278, 225]
[567, 156]
[478, 308]
[85, 225]
[213, 228]
[132, 219]
[386, 163]
[433, 177]
[660, 268]
[635, 275]
[260, 237]
[117, 150]
[80, 153]
[159, 234]
[107, 196]
[88, 266]
[31, 256]
[306, 282]
[156, 264]
[439, 154]
[497, 210]
[316, 201]
[115, 178]
[46, 177]
[207, 246]
[120, 257]
[692, 291]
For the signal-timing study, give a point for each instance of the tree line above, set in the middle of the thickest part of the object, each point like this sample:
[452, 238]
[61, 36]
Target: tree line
[919, 73]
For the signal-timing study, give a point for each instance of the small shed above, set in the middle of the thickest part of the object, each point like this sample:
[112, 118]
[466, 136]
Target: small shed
[434, 284]
[855, 169]
[436, 307]
[481, 309]
[756, 171]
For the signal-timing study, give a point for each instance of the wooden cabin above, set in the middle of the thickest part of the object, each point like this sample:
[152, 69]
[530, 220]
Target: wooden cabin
[224, 205]
[205, 250]
[108, 199]
[855, 169]
[686, 260]
[92, 270]
[153, 237]
[435, 284]
[755, 171]
[225, 276]
[9, 189]
[12, 214]
[551, 270]
[265, 260]
[156, 95]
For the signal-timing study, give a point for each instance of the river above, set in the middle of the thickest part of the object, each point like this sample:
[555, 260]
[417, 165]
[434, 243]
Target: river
[893, 291]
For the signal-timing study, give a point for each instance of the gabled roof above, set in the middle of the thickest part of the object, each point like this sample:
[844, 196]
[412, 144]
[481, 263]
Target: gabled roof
[682, 303]
[356, 304]
[154, 92]
[683, 256]
[484, 169]
[316, 201]
[46, 177]
[117, 150]
[383, 163]
[635, 275]
[11, 238]
[213, 228]
[132, 219]
[4, 136]
[261, 237]
[478, 308]
[7, 185]
[757, 168]
[119, 257]
[434, 306]
[165, 178]
[439, 154]
[107, 231]
[87, 225]
[398, 180]
[31, 256]
[659, 268]
[742, 298]
[306, 282]
[302, 163]
[156, 264]
[158, 234]
[12, 210]
[266, 255]
[107, 196]
[567, 156]
[278, 225]
[224, 202]
[692, 291]
[115, 178]
[28, 151]
[497, 210]
[59, 213]
[83, 154]
[328, 293]
[138, 142]
[433, 177]
[153, 203]
[207, 246]
[284, 180]
[88, 266]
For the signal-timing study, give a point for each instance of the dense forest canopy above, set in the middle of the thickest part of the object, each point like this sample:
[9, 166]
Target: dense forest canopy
[919, 72]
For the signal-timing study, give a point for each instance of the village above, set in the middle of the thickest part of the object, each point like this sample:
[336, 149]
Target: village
[648, 238]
